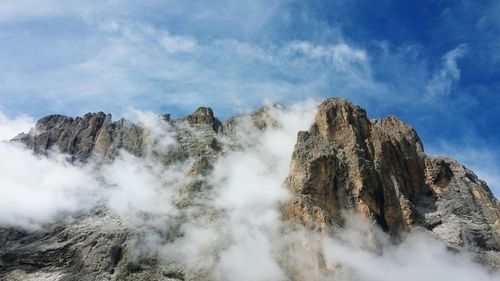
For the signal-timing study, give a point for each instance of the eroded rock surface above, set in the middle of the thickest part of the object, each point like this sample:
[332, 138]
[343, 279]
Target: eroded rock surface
[377, 168]
[345, 163]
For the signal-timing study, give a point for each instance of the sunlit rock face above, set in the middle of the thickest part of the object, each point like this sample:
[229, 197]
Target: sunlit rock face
[348, 162]
[377, 168]
[344, 165]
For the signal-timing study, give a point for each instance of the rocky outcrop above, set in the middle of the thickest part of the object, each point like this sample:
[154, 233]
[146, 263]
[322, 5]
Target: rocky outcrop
[345, 163]
[97, 247]
[462, 211]
[94, 134]
[204, 115]
[377, 168]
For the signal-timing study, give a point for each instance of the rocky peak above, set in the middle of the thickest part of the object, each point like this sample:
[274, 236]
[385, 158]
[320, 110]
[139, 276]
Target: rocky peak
[378, 169]
[204, 115]
[332, 163]
[260, 119]
[95, 136]
[74, 136]
[345, 163]
[340, 121]
[166, 117]
[392, 127]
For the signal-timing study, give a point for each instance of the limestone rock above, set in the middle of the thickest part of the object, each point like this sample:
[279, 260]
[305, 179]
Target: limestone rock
[83, 137]
[96, 136]
[97, 247]
[204, 115]
[345, 163]
[463, 211]
[378, 169]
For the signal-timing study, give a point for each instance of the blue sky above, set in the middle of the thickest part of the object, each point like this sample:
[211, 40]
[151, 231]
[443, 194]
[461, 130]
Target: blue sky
[435, 64]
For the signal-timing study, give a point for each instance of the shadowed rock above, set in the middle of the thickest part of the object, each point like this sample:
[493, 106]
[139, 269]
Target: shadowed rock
[204, 115]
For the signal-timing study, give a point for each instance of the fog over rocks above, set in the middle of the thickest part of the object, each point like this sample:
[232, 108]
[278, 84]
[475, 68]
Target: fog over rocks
[306, 192]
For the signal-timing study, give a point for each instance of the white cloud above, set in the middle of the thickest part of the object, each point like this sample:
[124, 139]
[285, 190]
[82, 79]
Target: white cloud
[26, 10]
[341, 55]
[419, 257]
[11, 127]
[178, 44]
[160, 136]
[13, 10]
[52, 188]
[244, 201]
[448, 74]
[109, 26]
[233, 230]
[130, 187]
[142, 191]
[309, 49]
[121, 62]
[249, 259]
[117, 57]
[246, 50]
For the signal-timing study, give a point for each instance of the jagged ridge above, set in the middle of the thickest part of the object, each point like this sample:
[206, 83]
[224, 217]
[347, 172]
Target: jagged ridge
[375, 168]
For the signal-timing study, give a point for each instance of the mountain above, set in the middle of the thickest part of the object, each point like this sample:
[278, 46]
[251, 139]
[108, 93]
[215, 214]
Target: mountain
[345, 168]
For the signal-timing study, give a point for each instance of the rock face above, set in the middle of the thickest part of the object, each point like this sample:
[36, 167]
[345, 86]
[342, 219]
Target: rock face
[97, 245]
[82, 137]
[95, 136]
[377, 168]
[346, 163]
[462, 210]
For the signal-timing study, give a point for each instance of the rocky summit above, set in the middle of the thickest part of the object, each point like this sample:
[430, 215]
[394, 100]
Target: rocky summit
[345, 165]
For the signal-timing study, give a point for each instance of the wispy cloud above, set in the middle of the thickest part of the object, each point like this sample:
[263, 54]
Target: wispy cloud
[174, 56]
[178, 44]
[53, 189]
[11, 127]
[448, 74]
[232, 222]
[131, 63]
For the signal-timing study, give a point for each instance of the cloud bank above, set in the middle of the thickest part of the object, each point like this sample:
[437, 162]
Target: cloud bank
[232, 230]
[11, 127]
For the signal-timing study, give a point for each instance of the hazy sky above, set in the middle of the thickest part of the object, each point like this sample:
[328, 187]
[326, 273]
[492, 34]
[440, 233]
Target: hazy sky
[434, 64]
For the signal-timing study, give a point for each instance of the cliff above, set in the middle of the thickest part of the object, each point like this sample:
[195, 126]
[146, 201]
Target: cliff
[344, 164]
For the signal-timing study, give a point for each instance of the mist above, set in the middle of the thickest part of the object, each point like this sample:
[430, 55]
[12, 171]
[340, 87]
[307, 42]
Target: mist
[232, 229]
